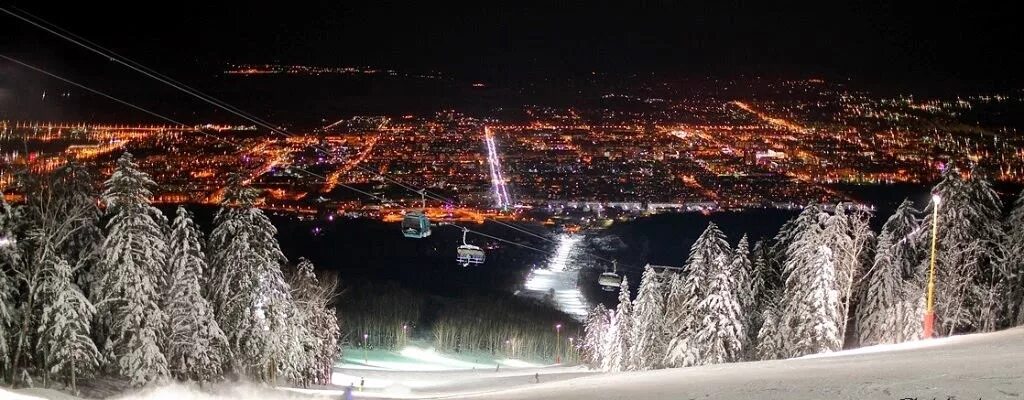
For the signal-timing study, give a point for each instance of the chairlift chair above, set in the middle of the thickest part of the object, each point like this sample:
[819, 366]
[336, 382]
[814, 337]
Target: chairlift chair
[610, 281]
[468, 254]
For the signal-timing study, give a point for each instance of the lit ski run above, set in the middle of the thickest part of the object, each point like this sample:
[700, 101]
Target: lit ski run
[558, 279]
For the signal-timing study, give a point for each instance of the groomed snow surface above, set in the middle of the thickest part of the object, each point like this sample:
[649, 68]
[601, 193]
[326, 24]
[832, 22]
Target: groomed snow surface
[984, 366]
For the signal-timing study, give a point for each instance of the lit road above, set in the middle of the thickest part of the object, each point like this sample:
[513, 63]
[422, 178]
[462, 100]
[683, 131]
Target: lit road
[501, 198]
[335, 176]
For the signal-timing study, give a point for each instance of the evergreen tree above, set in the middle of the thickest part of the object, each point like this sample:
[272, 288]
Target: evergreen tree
[622, 346]
[720, 335]
[709, 255]
[770, 343]
[776, 254]
[611, 348]
[809, 322]
[763, 279]
[252, 302]
[196, 346]
[966, 238]
[648, 334]
[993, 279]
[764, 289]
[742, 271]
[58, 218]
[592, 351]
[77, 195]
[9, 258]
[675, 303]
[64, 329]
[1014, 249]
[131, 276]
[812, 325]
[881, 313]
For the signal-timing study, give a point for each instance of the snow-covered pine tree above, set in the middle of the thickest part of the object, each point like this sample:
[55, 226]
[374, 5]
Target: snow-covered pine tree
[57, 216]
[9, 258]
[131, 275]
[252, 301]
[904, 226]
[763, 278]
[992, 285]
[880, 313]
[64, 328]
[77, 194]
[708, 255]
[1013, 247]
[675, 309]
[315, 306]
[50, 220]
[742, 272]
[764, 288]
[775, 254]
[906, 253]
[909, 313]
[810, 304]
[611, 353]
[45, 294]
[720, 334]
[965, 249]
[196, 347]
[623, 327]
[592, 351]
[770, 343]
[648, 331]
[812, 327]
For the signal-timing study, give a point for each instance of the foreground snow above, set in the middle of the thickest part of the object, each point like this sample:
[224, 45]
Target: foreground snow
[987, 366]
[176, 391]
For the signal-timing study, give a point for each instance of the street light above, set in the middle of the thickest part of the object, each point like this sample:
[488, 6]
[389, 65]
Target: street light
[572, 347]
[404, 335]
[558, 336]
[366, 359]
[929, 314]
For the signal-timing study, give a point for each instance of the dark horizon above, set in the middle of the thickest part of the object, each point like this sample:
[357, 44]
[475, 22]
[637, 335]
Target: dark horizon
[876, 43]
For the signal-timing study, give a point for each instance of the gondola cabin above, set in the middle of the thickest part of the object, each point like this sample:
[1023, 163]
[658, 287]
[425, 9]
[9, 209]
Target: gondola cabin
[416, 225]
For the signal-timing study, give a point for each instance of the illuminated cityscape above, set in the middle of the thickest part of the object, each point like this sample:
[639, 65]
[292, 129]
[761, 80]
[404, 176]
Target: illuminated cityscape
[695, 153]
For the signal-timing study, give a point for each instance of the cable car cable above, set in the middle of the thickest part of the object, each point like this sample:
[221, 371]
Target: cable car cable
[140, 68]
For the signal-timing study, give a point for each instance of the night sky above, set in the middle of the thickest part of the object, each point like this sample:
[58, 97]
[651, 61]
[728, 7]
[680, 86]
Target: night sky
[927, 43]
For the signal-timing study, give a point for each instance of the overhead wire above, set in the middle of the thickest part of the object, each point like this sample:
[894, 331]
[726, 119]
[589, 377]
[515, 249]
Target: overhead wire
[184, 127]
[149, 72]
